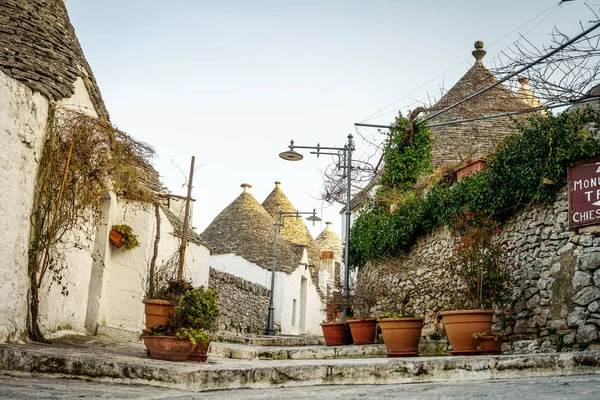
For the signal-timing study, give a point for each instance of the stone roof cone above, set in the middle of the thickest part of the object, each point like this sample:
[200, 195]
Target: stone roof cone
[245, 228]
[457, 142]
[294, 229]
[526, 95]
[328, 240]
[40, 50]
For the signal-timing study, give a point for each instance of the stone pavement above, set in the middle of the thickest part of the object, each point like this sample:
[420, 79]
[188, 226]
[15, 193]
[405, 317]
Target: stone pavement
[109, 360]
[18, 387]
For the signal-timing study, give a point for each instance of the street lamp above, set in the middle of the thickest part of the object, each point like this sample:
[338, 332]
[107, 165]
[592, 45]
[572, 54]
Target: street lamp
[344, 154]
[279, 216]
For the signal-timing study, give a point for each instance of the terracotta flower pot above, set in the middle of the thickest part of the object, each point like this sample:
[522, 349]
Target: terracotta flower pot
[115, 238]
[169, 348]
[490, 344]
[363, 330]
[157, 311]
[334, 333]
[401, 336]
[460, 326]
[200, 353]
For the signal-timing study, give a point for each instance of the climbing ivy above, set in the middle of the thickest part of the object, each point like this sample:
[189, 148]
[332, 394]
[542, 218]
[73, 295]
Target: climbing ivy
[543, 147]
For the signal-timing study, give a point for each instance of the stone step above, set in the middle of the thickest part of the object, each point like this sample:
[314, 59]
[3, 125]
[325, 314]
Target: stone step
[247, 352]
[320, 352]
[127, 363]
[263, 340]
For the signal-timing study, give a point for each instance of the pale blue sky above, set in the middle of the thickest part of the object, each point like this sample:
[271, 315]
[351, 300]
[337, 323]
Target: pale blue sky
[232, 82]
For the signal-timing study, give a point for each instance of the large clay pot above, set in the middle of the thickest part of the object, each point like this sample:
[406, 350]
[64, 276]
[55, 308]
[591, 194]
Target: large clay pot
[401, 336]
[157, 311]
[460, 326]
[200, 353]
[334, 333]
[363, 330]
[169, 348]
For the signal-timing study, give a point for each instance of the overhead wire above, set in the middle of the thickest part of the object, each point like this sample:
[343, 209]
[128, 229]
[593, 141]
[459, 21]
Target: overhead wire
[549, 10]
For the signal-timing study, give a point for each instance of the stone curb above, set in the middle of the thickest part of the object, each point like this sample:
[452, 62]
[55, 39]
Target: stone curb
[265, 374]
[243, 352]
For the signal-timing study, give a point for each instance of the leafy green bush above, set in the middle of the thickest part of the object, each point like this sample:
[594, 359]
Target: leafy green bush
[196, 308]
[542, 148]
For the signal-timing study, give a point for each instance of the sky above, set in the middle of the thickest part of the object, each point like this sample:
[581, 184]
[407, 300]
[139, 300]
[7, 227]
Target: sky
[232, 82]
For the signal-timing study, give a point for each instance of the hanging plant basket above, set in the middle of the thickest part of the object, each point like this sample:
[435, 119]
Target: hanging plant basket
[115, 238]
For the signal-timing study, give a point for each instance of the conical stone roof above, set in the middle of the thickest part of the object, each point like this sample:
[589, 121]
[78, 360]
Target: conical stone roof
[245, 228]
[460, 142]
[294, 229]
[328, 240]
[38, 48]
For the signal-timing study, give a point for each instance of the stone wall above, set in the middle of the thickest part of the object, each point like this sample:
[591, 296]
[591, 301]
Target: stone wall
[243, 305]
[556, 302]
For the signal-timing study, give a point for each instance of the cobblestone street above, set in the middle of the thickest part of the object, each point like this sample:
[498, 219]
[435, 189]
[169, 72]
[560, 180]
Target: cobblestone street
[572, 388]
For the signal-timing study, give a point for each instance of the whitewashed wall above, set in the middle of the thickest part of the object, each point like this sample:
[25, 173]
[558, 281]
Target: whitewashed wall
[23, 116]
[122, 314]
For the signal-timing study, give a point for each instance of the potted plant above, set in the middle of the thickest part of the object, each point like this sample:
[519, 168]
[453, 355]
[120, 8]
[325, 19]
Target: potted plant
[122, 236]
[363, 299]
[334, 330]
[184, 334]
[159, 304]
[400, 328]
[481, 281]
[489, 342]
[197, 309]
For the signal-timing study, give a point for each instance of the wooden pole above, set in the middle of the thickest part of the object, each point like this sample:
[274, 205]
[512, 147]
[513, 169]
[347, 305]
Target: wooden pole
[186, 217]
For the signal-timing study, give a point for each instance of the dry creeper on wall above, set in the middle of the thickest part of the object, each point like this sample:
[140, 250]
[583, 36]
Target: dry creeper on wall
[82, 158]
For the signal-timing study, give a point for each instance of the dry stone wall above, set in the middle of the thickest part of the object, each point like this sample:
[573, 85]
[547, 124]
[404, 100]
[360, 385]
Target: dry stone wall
[556, 301]
[243, 305]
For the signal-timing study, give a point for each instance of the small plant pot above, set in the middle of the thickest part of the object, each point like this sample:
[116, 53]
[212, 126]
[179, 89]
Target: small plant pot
[334, 333]
[401, 336]
[115, 238]
[491, 344]
[157, 311]
[363, 330]
[200, 353]
[170, 348]
[460, 326]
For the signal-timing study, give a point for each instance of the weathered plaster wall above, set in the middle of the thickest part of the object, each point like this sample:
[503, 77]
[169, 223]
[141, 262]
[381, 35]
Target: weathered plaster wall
[556, 304]
[23, 116]
[126, 271]
[243, 305]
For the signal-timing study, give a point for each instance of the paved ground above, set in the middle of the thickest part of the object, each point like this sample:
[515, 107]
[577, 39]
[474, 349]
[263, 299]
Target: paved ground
[573, 388]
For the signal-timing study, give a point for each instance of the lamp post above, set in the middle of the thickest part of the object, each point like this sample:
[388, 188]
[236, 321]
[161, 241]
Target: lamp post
[345, 155]
[279, 216]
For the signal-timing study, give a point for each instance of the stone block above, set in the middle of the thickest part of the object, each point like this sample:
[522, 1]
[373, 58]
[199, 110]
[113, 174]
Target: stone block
[566, 248]
[533, 302]
[586, 333]
[597, 278]
[581, 279]
[595, 229]
[594, 306]
[589, 261]
[587, 295]
[559, 324]
[569, 339]
[578, 317]
[586, 240]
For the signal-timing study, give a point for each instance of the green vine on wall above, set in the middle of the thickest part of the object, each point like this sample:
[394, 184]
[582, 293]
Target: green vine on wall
[541, 148]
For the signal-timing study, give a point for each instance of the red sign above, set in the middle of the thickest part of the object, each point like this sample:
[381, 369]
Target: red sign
[584, 193]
